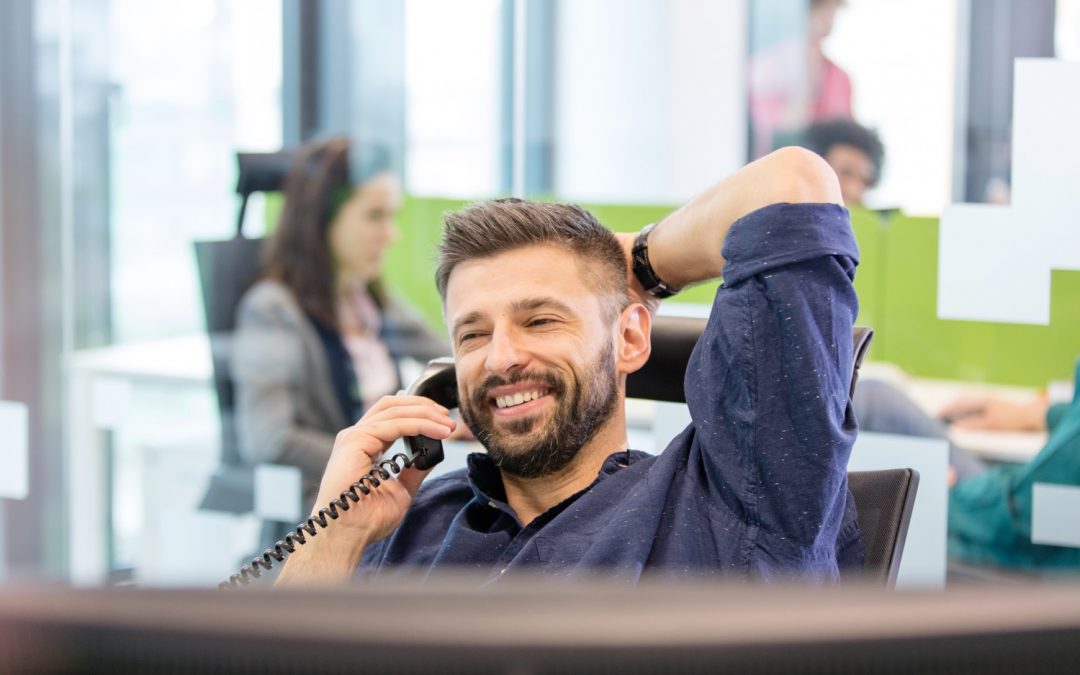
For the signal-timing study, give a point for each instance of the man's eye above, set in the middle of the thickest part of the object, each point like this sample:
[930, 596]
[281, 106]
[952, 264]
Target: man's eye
[540, 322]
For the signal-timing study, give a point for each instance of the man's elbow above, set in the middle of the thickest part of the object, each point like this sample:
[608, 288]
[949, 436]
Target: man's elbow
[800, 175]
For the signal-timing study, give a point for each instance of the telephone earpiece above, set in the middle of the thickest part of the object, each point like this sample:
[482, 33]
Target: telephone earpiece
[439, 383]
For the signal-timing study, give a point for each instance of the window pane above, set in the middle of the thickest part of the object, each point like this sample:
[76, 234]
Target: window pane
[452, 85]
[192, 82]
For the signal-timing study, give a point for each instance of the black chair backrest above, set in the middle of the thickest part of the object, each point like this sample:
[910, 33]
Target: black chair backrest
[862, 337]
[227, 269]
[259, 172]
[661, 378]
[673, 338]
[884, 500]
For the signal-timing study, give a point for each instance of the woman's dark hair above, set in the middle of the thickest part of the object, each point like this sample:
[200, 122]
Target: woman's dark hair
[298, 253]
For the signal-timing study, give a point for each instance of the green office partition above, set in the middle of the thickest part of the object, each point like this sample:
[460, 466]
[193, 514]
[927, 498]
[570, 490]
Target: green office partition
[870, 232]
[898, 289]
[410, 263]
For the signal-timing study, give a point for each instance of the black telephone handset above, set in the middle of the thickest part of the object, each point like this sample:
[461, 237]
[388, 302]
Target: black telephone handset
[439, 383]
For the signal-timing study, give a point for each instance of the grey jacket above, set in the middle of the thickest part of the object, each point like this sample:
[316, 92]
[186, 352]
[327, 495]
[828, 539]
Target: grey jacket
[286, 408]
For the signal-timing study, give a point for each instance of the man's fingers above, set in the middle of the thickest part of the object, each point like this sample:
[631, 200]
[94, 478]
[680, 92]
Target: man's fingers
[396, 415]
[391, 430]
[374, 437]
[419, 411]
[400, 399]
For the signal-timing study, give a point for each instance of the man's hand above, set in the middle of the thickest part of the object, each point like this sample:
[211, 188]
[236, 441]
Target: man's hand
[997, 414]
[334, 553]
[637, 292]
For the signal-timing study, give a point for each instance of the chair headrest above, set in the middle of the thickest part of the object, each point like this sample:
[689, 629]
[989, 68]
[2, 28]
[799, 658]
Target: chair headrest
[673, 339]
[262, 171]
[863, 336]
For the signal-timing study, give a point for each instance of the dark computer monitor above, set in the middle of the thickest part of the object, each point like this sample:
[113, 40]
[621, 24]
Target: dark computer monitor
[541, 628]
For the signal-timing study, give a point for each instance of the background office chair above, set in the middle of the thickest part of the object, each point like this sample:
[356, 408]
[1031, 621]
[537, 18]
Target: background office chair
[226, 270]
[884, 499]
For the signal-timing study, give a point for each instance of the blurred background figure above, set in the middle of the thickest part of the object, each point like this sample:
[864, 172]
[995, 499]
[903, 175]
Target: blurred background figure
[990, 505]
[319, 338]
[854, 152]
[793, 84]
[990, 515]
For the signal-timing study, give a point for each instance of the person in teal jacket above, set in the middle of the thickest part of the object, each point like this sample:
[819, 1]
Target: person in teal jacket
[990, 514]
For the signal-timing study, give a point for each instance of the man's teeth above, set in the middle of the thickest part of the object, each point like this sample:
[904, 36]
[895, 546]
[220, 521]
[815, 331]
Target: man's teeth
[516, 399]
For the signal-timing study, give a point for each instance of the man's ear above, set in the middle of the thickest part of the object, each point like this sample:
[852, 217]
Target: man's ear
[634, 339]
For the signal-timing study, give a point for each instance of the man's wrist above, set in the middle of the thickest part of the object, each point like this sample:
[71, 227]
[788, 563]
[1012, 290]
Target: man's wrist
[324, 559]
[643, 269]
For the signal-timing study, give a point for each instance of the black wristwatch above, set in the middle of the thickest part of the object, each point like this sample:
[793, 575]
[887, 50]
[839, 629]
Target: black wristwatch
[643, 269]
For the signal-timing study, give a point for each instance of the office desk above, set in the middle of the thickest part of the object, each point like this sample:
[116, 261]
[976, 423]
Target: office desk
[932, 395]
[101, 387]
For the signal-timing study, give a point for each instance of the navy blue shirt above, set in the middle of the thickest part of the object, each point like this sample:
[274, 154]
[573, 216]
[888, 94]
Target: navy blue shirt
[755, 487]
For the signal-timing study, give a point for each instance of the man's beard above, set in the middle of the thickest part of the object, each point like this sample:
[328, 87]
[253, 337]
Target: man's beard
[519, 447]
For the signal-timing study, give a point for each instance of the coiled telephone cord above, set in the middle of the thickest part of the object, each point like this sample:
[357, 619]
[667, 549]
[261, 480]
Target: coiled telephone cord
[381, 471]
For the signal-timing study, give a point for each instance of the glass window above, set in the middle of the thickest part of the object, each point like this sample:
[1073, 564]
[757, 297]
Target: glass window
[185, 86]
[648, 106]
[453, 71]
[191, 82]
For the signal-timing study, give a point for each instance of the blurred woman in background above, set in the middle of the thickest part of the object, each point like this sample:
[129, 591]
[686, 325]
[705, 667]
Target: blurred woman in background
[319, 338]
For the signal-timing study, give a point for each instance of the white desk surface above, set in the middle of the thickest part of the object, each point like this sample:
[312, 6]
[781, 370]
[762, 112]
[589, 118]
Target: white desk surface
[184, 359]
[932, 395]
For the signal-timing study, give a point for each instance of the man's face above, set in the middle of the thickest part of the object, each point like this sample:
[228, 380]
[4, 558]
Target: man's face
[534, 350]
[855, 170]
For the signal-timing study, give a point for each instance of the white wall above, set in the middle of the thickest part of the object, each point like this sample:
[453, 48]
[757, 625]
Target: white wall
[900, 55]
[649, 98]
[452, 71]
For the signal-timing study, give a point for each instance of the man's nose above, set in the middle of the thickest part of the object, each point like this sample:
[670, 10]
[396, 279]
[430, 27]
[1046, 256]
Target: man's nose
[504, 352]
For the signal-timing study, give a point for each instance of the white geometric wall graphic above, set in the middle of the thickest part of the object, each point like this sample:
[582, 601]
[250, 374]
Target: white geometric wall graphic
[995, 261]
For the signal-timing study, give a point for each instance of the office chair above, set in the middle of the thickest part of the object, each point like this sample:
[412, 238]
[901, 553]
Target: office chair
[884, 499]
[227, 269]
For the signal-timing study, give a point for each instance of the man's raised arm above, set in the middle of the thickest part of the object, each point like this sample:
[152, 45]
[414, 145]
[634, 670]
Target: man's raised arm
[686, 247]
[767, 385]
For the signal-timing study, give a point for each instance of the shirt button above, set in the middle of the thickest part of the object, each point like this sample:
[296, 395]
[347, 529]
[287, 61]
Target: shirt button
[502, 571]
[492, 505]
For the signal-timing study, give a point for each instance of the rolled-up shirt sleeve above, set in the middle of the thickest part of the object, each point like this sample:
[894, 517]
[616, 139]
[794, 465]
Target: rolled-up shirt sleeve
[768, 383]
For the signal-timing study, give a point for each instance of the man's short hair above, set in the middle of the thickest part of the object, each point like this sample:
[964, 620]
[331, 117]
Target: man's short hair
[823, 136]
[489, 228]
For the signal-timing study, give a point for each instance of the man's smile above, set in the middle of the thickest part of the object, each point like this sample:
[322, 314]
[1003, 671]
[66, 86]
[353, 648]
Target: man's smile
[520, 399]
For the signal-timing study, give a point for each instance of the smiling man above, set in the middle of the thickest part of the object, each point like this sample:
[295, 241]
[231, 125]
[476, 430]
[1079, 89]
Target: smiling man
[549, 312]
